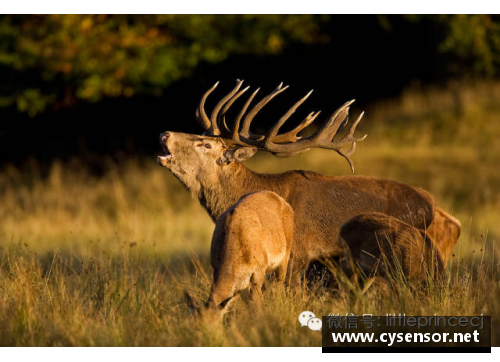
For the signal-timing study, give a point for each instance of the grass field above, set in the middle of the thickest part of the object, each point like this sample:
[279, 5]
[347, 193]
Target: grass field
[103, 261]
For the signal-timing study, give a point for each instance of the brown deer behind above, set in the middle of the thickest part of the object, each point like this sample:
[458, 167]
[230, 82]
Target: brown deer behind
[382, 245]
[252, 238]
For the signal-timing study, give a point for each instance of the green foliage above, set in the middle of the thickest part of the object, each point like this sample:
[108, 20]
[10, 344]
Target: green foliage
[65, 58]
[469, 43]
[59, 60]
[475, 42]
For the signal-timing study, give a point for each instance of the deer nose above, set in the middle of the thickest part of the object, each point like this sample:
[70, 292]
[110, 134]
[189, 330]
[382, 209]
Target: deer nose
[164, 137]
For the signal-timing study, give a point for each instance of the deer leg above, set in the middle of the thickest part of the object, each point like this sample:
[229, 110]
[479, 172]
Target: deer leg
[282, 269]
[294, 269]
[256, 282]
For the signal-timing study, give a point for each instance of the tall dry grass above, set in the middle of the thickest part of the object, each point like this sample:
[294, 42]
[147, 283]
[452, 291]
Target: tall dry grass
[104, 261]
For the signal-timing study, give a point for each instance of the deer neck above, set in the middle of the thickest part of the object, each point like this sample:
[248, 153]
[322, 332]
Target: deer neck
[233, 182]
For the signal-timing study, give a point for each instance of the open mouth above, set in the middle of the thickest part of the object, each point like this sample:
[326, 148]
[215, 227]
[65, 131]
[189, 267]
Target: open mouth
[164, 160]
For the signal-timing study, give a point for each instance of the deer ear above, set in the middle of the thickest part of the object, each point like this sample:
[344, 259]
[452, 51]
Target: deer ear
[236, 155]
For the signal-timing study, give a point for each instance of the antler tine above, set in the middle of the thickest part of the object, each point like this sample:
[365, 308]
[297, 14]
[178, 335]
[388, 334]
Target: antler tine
[349, 137]
[200, 115]
[236, 127]
[275, 129]
[331, 127]
[232, 100]
[347, 154]
[221, 121]
[213, 117]
[291, 136]
[321, 139]
[245, 130]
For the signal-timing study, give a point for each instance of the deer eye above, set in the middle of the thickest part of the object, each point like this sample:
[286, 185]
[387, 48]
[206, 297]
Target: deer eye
[208, 145]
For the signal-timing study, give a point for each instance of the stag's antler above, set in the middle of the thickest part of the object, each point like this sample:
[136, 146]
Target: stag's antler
[281, 145]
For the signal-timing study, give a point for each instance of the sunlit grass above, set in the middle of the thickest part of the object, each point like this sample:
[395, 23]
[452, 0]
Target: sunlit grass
[104, 260]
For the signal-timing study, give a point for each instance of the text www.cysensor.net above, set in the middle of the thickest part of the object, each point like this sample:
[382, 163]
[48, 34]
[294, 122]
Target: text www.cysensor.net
[391, 338]
[403, 331]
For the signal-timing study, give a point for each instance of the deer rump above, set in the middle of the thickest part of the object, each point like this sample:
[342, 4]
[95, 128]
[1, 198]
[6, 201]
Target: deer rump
[445, 231]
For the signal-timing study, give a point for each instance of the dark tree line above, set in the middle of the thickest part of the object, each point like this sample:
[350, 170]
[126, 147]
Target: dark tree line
[73, 84]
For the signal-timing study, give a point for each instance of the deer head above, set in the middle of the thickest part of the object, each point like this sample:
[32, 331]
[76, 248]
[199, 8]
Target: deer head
[194, 159]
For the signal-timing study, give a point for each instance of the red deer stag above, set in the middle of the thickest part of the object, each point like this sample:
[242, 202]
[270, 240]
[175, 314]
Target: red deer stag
[210, 167]
[380, 244]
[252, 238]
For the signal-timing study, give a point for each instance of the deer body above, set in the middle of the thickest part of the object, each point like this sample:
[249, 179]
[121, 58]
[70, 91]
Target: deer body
[320, 203]
[252, 238]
